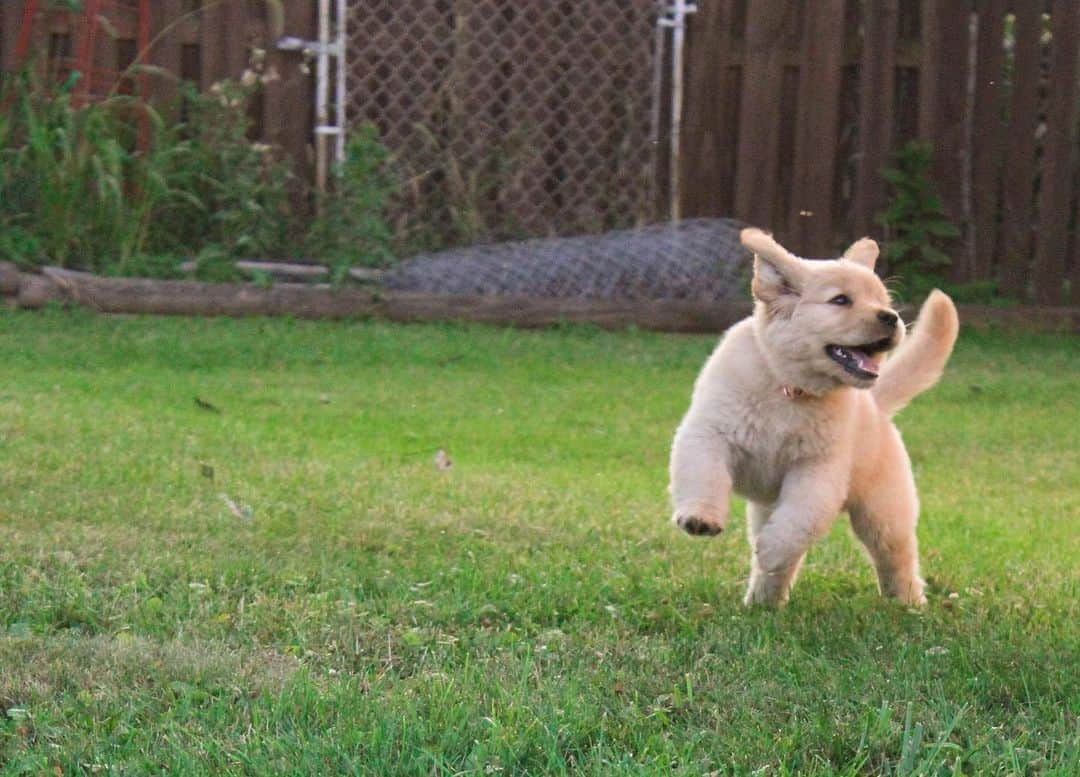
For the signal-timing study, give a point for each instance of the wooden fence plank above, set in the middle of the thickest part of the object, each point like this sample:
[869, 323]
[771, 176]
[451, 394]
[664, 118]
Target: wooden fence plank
[241, 20]
[810, 217]
[987, 135]
[1020, 155]
[944, 112]
[1052, 234]
[165, 53]
[10, 22]
[759, 117]
[290, 91]
[876, 87]
[788, 97]
[707, 126]
[211, 45]
[102, 77]
[225, 40]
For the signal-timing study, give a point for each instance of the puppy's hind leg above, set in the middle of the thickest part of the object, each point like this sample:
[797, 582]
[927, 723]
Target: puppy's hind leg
[700, 481]
[884, 519]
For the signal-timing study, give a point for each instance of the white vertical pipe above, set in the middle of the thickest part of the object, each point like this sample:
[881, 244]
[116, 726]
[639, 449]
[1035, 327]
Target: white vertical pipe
[680, 9]
[340, 91]
[322, 95]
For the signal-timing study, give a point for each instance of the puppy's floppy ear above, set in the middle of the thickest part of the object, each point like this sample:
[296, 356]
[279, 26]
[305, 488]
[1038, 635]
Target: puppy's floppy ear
[778, 274]
[864, 252]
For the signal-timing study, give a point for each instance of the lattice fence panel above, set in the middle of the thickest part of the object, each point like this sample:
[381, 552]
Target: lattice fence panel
[511, 117]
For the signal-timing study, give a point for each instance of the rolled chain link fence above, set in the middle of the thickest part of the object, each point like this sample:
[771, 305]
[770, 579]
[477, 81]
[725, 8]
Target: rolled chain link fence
[695, 259]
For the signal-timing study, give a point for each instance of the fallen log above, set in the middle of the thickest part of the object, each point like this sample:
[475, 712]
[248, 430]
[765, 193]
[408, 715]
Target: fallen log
[303, 300]
[277, 270]
[366, 274]
[37, 291]
[283, 271]
[194, 298]
[9, 279]
[296, 271]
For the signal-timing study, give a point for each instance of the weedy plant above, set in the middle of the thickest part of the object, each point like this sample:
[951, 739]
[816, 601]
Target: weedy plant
[64, 178]
[453, 198]
[78, 189]
[915, 221]
[350, 227]
[238, 191]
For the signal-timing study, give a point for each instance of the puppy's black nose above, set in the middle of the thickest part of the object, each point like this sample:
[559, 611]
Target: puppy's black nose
[888, 318]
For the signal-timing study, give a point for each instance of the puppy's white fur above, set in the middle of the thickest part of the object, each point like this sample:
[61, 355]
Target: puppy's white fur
[775, 418]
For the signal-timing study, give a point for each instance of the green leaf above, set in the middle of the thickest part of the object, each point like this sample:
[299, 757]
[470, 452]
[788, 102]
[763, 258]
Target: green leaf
[897, 249]
[936, 256]
[942, 229]
[932, 204]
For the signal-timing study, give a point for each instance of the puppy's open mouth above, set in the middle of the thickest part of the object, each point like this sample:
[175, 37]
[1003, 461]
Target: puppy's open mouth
[860, 360]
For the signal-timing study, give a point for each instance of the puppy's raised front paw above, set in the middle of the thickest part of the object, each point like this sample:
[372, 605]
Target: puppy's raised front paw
[697, 525]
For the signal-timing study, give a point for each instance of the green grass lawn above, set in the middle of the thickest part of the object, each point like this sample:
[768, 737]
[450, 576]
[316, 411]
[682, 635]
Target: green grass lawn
[225, 548]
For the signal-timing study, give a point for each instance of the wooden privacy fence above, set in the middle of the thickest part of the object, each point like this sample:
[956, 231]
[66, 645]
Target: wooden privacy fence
[793, 110]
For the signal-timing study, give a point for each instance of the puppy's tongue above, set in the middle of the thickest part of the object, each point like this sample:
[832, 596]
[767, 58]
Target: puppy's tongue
[866, 362]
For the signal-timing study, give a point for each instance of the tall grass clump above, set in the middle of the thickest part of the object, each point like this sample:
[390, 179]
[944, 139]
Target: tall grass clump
[78, 189]
[62, 178]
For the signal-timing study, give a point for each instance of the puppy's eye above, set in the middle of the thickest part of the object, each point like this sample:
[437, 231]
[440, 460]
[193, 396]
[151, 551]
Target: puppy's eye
[840, 299]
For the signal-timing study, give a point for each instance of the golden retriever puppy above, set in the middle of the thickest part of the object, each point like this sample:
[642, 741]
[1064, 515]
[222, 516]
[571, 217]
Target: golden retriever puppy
[793, 411]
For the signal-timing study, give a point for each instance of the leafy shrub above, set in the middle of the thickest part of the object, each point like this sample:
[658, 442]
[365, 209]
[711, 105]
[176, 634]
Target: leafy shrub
[77, 190]
[235, 192]
[915, 221]
[351, 227]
